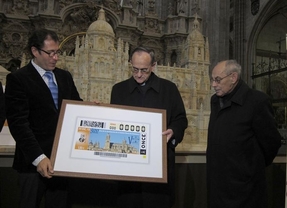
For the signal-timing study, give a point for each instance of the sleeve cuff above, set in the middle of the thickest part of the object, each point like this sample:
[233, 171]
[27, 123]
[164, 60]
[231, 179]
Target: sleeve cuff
[38, 160]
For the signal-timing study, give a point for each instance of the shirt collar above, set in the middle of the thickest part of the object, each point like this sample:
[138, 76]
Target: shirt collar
[154, 83]
[39, 69]
[42, 71]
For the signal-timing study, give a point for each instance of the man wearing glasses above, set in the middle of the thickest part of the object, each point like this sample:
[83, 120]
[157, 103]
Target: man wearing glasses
[34, 95]
[145, 89]
[242, 141]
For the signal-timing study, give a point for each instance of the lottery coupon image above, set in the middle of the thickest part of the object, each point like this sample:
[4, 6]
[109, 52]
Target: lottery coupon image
[111, 140]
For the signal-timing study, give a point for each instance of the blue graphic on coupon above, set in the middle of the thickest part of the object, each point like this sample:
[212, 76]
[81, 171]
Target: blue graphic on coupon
[111, 140]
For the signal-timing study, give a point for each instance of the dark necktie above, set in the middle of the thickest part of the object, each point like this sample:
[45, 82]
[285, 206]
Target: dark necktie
[52, 86]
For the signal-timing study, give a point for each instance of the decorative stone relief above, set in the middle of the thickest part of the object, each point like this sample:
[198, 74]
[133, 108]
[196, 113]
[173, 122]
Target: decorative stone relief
[151, 25]
[78, 20]
[181, 6]
[96, 67]
[255, 5]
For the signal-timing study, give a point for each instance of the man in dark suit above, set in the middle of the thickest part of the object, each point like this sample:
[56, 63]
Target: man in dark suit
[242, 141]
[32, 116]
[2, 107]
[145, 89]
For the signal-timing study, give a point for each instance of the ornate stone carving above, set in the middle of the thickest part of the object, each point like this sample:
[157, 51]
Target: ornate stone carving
[78, 20]
[14, 41]
[181, 6]
[95, 74]
[151, 25]
[151, 8]
[97, 61]
[255, 4]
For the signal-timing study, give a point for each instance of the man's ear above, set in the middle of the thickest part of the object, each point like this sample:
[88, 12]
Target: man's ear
[153, 66]
[234, 77]
[35, 51]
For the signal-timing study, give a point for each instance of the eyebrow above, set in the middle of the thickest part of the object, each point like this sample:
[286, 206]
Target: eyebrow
[139, 68]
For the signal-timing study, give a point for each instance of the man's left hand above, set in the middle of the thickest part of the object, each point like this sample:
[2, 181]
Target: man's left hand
[168, 133]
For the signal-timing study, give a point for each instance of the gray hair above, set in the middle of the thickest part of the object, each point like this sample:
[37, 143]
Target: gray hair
[232, 66]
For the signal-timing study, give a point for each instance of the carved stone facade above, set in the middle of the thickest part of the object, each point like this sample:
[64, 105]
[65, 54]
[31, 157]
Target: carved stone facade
[96, 41]
[162, 25]
[99, 62]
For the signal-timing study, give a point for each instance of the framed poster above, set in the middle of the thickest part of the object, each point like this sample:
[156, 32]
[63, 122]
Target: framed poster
[110, 142]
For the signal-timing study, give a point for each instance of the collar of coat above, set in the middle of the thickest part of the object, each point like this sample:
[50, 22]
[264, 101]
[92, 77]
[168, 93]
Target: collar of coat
[238, 96]
[154, 83]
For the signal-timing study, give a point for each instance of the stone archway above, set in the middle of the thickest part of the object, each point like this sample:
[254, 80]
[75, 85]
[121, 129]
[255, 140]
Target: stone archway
[68, 44]
[266, 16]
[76, 20]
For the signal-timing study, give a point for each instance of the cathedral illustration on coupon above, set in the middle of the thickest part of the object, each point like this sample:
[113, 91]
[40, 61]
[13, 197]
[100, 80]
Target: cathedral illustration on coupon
[111, 146]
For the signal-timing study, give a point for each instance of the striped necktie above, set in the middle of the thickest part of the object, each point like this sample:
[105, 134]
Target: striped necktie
[52, 86]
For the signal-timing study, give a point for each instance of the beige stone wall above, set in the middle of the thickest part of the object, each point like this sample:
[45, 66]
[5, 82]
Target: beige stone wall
[100, 60]
[96, 72]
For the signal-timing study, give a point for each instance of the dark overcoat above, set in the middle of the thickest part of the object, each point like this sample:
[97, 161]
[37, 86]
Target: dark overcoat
[242, 141]
[31, 113]
[160, 94]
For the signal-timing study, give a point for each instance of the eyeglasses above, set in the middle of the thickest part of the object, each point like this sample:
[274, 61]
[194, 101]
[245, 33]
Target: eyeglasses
[219, 79]
[52, 53]
[143, 70]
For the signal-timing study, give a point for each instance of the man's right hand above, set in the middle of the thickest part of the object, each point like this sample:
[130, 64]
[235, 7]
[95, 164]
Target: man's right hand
[45, 168]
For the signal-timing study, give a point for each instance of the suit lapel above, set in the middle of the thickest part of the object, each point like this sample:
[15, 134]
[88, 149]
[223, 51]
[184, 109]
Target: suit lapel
[34, 76]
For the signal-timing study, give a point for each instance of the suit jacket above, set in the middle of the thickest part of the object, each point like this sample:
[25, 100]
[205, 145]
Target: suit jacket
[242, 140]
[2, 107]
[31, 114]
